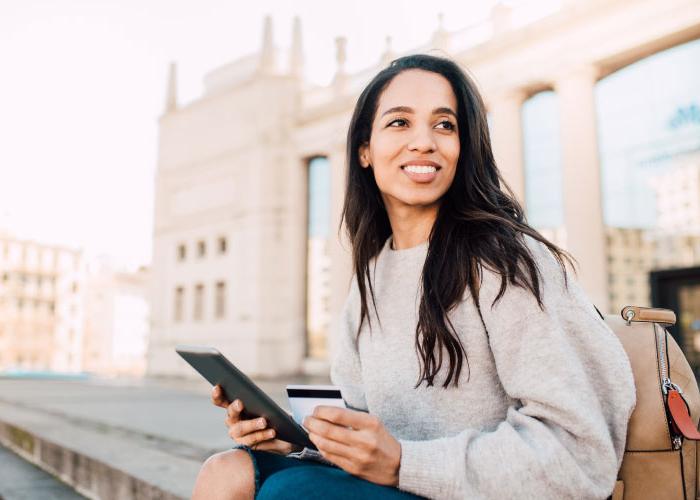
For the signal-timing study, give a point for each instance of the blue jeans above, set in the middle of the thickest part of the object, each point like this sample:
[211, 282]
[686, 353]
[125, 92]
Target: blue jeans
[280, 477]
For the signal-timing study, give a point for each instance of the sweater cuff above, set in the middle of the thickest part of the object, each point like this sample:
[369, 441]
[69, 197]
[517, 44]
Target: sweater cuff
[425, 470]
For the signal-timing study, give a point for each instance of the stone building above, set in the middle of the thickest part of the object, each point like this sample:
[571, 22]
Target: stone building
[231, 217]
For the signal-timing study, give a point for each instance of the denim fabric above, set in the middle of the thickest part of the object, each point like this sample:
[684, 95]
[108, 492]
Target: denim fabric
[280, 477]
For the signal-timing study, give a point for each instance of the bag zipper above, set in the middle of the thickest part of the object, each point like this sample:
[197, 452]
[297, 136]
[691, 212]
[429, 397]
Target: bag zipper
[666, 383]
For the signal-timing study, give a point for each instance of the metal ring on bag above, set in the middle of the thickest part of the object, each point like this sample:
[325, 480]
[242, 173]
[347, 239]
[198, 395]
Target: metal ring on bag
[629, 314]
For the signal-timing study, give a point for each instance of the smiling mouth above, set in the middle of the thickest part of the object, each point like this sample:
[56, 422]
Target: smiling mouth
[420, 169]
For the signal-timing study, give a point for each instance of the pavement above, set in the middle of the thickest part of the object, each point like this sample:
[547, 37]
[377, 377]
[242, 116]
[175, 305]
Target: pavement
[117, 439]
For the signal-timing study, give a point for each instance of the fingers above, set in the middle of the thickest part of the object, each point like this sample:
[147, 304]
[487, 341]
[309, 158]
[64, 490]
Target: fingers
[329, 446]
[329, 430]
[345, 417]
[255, 438]
[240, 428]
[249, 432]
[234, 410]
[218, 398]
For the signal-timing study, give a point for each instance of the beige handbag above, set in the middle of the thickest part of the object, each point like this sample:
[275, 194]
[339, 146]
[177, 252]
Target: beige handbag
[660, 460]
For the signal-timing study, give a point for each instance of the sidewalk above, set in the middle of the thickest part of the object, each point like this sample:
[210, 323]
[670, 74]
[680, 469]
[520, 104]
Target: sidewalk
[119, 439]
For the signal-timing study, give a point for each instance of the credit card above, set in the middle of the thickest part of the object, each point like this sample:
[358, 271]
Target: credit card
[304, 398]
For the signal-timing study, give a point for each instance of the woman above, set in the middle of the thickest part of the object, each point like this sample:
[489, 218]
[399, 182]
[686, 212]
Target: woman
[485, 370]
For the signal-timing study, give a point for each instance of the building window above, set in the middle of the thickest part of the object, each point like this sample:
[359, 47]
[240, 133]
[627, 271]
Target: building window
[198, 301]
[201, 248]
[181, 252]
[179, 303]
[222, 245]
[220, 305]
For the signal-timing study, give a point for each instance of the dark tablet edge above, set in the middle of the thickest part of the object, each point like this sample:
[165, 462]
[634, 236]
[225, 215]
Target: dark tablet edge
[198, 349]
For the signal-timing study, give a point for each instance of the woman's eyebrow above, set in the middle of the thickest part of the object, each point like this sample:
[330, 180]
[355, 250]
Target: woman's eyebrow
[398, 109]
[407, 109]
[444, 111]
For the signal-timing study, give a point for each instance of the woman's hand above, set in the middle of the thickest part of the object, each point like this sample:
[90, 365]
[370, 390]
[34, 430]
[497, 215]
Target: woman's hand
[250, 432]
[357, 442]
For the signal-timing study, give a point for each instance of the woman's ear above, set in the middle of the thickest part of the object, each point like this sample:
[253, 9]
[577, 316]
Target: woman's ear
[364, 155]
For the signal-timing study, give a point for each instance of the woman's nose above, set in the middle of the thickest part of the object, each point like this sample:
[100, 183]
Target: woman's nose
[422, 140]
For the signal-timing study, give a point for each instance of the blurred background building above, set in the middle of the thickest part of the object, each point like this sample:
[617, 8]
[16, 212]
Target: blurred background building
[594, 111]
[41, 307]
[62, 313]
[117, 321]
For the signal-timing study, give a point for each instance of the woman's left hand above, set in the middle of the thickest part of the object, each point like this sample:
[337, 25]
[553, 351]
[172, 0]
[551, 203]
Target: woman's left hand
[356, 442]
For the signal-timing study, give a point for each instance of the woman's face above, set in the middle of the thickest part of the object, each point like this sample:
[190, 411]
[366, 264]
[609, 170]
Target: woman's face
[414, 143]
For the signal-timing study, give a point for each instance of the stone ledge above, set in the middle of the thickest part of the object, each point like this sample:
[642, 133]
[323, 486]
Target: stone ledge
[114, 469]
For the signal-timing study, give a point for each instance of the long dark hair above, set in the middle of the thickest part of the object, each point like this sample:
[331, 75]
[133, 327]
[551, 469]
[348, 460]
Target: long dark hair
[479, 222]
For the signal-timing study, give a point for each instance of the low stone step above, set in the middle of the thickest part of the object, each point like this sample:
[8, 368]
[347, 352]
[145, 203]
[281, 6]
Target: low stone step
[20, 480]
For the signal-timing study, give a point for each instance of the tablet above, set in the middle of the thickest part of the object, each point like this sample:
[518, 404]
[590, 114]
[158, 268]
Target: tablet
[214, 367]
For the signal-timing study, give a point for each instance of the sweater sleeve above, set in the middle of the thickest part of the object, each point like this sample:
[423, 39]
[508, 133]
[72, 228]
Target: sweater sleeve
[346, 369]
[573, 389]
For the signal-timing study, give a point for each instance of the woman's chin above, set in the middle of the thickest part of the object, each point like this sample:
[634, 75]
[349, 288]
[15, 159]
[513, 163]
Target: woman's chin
[419, 202]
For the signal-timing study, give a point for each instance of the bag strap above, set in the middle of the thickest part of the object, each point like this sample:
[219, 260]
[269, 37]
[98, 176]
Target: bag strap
[664, 317]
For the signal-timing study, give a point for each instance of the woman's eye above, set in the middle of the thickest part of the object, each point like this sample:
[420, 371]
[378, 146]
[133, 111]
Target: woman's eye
[446, 124]
[401, 122]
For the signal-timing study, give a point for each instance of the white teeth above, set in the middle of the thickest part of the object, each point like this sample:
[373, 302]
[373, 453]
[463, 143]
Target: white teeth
[420, 169]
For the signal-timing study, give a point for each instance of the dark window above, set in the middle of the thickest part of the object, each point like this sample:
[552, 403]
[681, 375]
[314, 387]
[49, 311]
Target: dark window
[220, 305]
[179, 303]
[222, 245]
[201, 248]
[181, 252]
[199, 301]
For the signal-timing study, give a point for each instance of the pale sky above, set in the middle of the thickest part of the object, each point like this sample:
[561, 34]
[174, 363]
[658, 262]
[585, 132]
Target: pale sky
[83, 82]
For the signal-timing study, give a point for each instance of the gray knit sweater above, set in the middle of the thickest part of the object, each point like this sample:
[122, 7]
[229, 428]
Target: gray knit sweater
[542, 406]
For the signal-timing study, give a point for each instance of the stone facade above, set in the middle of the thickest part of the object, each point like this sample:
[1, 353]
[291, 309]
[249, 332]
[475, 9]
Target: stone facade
[232, 164]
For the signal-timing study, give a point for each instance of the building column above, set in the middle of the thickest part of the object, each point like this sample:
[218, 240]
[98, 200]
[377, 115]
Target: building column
[507, 139]
[583, 209]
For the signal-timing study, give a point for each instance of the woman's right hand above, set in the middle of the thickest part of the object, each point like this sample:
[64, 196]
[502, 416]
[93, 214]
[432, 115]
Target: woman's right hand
[253, 433]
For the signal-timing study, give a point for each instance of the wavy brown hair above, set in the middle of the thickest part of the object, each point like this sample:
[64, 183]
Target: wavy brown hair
[479, 222]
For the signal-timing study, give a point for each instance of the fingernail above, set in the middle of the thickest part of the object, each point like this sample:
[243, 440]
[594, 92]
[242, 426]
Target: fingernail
[261, 423]
[271, 433]
[238, 405]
